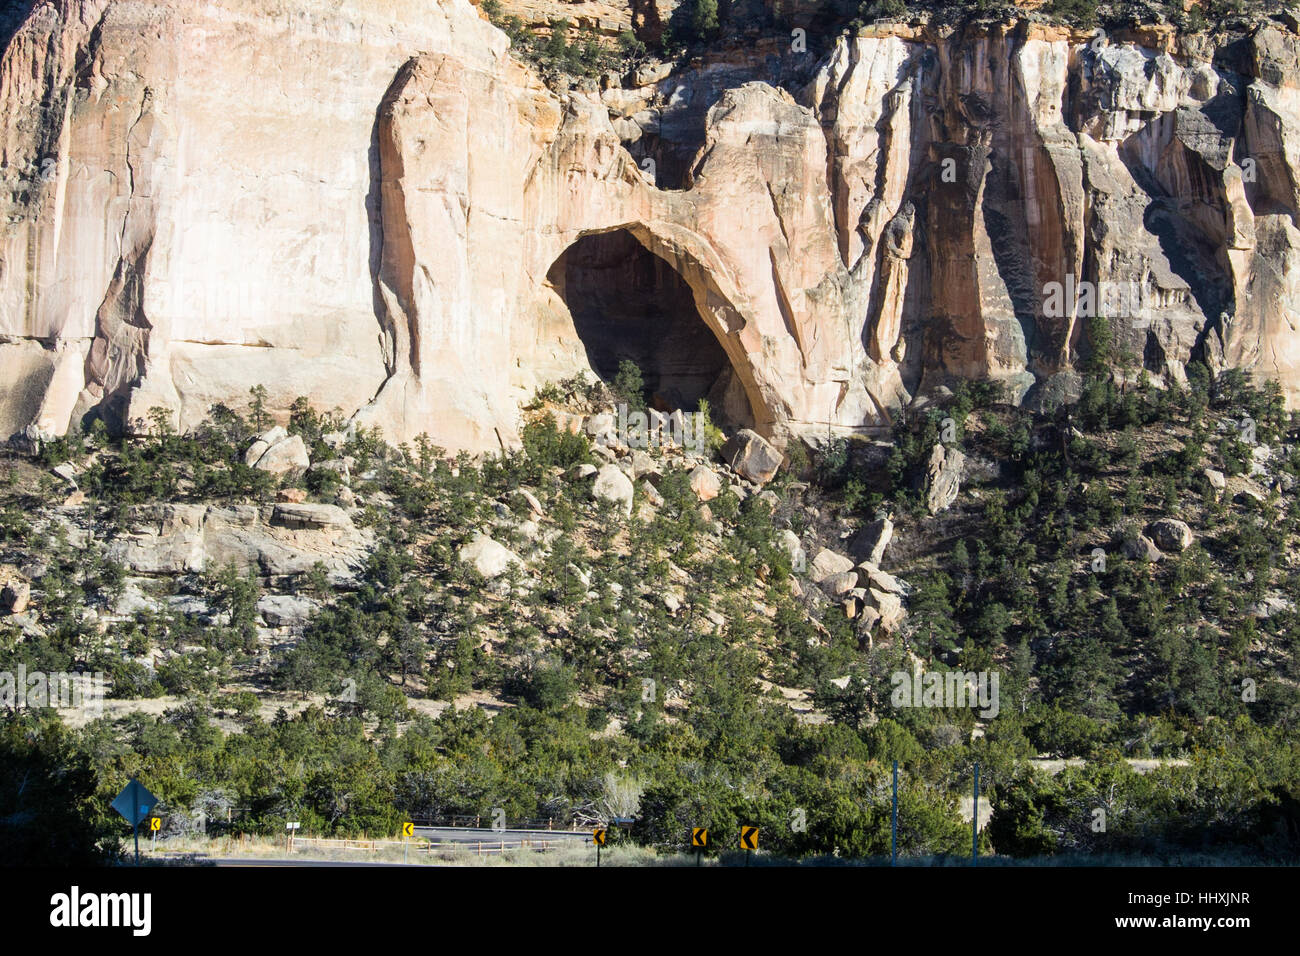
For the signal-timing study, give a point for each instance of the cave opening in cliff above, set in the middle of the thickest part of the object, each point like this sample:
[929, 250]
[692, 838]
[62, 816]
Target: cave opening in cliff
[629, 304]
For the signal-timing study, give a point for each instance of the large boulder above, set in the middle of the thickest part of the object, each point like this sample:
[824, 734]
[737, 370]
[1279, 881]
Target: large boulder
[652, 495]
[530, 499]
[826, 563]
[68, 472]
[287, 458]
[888, 606]
[856, 608]
[752, 456]
[263, 442]
[705, 483]
[490, 558]
[14, 596]
[1170, 534]
[643, 465]
[613, 485]
[789, 542]
[602, 429]
[943, 476]
[1142, 548]
[840, 583]
[870, 543]
[870, 576]
[309, 517]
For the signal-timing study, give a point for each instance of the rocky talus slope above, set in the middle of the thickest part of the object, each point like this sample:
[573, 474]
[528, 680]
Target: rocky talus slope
[378, 208]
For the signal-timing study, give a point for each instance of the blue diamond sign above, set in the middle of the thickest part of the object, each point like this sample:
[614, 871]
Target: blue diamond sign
[134, 802]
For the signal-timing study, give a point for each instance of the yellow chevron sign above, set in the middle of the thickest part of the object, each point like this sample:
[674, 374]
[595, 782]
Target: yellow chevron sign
[408, 829]
[749, 838]
[598, 837]
[699, 836]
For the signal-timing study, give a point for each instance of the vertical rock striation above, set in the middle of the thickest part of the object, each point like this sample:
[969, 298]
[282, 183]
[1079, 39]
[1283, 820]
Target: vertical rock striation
[365, 202]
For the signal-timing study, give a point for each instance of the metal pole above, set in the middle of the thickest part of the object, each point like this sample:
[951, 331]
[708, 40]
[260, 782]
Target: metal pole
[135, 819]
[975, 821]
[893, 823]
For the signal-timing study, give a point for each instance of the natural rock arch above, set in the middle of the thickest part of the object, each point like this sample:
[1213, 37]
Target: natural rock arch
[648, 292]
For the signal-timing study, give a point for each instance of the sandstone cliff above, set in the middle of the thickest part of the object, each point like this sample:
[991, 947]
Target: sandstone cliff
[370, 203]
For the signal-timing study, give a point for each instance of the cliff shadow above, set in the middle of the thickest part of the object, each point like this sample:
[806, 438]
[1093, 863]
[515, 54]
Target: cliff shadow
[629, 304]
[375, 223]
[1007, 227]
[12, 15]
[1191, 254]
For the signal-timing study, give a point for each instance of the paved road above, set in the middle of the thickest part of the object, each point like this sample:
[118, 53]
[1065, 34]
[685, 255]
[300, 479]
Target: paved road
[254, 861]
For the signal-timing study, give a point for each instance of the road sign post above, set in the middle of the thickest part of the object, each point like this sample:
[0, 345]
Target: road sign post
[598, 837]
[893, 823]
[134, 804]
[748, 841]
[408, 831]
[699, 840]
[975, 821]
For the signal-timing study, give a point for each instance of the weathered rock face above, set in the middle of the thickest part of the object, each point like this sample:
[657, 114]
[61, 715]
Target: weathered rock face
[942, 477]
[369, 203]
[282, 539]
[601, 17]
[286, 610]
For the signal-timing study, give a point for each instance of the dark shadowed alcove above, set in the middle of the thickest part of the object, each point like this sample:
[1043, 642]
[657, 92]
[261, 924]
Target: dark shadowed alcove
[627, 303]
